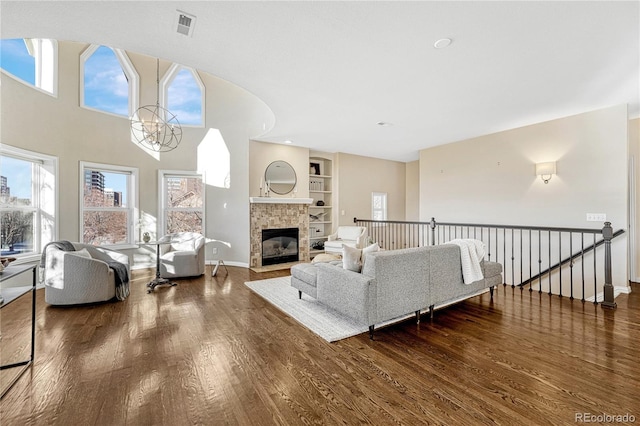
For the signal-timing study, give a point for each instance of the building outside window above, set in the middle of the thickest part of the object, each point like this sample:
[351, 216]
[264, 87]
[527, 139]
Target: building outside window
[181, 202]
[27, 201]
[109, 203]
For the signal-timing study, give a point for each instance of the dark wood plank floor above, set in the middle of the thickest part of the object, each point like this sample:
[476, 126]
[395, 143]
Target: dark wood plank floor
[211, 352]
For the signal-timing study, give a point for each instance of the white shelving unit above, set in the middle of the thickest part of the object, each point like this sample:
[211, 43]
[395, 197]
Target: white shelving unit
[320, 189]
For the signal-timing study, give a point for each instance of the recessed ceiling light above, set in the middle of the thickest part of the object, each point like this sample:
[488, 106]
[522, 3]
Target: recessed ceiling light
[288, 142]
[442, 43]
[384, 124]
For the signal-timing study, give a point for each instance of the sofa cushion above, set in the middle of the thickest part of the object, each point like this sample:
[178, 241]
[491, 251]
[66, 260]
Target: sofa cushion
[351, 258]
[306, 272]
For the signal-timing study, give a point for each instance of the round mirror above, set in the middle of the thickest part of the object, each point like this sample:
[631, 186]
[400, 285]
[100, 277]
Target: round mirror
[280, 177]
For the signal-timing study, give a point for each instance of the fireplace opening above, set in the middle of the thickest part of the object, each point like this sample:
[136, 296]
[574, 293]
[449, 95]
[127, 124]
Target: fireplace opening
[279, 246]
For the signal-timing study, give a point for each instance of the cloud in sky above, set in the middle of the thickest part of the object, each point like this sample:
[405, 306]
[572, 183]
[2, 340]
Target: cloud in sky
[105, 85]
[185, 98]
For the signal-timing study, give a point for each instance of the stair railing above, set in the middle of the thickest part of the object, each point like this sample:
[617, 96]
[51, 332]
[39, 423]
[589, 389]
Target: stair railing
[558, 252]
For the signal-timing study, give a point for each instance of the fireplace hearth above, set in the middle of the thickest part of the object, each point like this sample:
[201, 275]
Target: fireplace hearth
[280, 245]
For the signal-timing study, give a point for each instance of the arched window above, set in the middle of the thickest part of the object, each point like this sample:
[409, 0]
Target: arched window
[109, 81]
[33, 61]
[183, 95]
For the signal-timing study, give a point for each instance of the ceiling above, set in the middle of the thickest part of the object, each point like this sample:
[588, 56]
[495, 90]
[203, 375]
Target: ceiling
[330, 71]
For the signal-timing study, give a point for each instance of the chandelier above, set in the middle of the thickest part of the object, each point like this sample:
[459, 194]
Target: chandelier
[153, 126]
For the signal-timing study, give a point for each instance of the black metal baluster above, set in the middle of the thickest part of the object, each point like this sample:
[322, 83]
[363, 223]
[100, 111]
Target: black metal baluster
[549, 273]
[571, 262]
[595, 273]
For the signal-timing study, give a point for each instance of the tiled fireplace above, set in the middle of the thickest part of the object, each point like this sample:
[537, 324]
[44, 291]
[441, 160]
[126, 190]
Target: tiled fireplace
[278, 213]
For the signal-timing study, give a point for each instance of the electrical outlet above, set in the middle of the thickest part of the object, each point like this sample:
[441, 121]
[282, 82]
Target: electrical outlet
[596, 217]
[214, 250]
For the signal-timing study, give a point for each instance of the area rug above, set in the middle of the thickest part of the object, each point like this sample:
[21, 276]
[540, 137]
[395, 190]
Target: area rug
[323, 321]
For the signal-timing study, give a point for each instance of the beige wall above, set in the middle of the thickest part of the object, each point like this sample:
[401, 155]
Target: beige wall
[490, 179]
[358, 177]
[412, 209]
[262, 154]
[58, 126]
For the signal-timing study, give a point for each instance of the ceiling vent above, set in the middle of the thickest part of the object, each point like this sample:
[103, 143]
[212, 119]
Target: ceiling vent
[185, 23]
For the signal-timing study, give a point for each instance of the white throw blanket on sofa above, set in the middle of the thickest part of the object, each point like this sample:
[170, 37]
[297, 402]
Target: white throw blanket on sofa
[471, 254]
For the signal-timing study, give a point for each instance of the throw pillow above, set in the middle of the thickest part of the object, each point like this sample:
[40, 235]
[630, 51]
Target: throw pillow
[369, 249]
[81, 253]
[351, 258]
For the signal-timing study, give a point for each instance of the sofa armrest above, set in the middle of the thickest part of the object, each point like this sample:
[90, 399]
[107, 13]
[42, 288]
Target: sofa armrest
[348, 292]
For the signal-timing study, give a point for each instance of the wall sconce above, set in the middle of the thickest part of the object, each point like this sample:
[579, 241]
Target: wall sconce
[546, 170]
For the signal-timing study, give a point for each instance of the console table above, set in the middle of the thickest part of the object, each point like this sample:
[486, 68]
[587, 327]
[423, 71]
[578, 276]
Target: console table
[11, 294]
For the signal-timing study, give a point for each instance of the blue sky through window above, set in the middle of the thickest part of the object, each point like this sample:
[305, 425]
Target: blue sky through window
[15, 59]
[184, 98]
[105, 84]
[19, 175]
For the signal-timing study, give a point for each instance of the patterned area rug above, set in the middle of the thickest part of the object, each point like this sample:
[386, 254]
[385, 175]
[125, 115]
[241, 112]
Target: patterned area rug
[323, 321]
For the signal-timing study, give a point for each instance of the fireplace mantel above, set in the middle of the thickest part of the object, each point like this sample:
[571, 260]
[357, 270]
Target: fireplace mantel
[275, 200]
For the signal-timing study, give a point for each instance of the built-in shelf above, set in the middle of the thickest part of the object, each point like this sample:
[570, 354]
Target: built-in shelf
[320, 188]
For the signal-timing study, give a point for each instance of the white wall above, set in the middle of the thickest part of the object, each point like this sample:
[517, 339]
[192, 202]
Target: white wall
[490, 179]
[58, 126]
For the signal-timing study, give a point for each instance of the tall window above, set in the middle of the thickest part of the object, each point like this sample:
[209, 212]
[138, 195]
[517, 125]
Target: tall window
[182, 202]
[183, 93]
[109, 81]
[109, 202]
[33, 61]
[379, 205]
[27, 201]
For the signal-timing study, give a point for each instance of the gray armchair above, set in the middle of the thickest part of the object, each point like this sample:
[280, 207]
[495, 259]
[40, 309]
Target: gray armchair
[184, 256]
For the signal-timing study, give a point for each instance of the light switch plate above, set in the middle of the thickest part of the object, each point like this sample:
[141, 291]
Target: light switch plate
[596, 217]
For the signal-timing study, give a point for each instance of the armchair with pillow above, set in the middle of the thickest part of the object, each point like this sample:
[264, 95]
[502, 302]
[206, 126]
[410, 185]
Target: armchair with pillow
[353, 236]
[77, 273]
[184, 256]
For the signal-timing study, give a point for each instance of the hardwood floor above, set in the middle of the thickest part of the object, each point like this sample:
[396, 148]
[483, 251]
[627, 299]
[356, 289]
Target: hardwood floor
[211, 352]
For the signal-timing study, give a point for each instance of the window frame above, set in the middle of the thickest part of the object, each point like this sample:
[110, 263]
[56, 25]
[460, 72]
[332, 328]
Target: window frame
[384, 210]
[162, 198]
[42, 192]
[166, 81]
[132, 200]
[127, 68]
[39, 66]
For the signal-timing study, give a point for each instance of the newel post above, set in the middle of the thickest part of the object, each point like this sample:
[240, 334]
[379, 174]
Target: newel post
[432, 225]
[607, 234]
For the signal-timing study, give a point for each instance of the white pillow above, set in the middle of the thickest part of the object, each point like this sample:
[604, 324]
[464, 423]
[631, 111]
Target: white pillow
[351, 258]
[81, 253]
[369, 249]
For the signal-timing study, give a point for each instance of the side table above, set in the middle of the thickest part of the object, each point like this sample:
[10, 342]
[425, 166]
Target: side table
[11, 294]
[158, 280]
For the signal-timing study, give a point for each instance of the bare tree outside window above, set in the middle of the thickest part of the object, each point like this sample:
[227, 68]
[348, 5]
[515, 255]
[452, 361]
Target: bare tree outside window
[183, 204]
[18, 210]
[105, 214]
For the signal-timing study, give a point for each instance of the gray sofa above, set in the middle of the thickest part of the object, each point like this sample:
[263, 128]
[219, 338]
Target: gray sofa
[393, 283]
